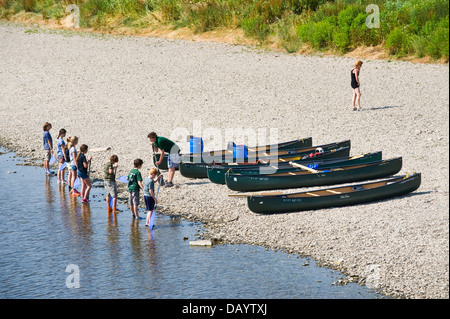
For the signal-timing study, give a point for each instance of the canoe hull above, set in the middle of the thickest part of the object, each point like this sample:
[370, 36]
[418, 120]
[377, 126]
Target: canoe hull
[251, 183]
[216, 174]
[300, 143]
[200, 170]
[285, 204]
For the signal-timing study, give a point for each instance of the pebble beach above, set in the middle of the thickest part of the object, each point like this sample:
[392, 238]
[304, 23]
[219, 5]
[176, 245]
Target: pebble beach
[111, 91]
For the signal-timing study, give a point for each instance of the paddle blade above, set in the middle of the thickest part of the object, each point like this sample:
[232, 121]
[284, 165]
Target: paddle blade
[77, 182]
[111, 199]
[152, 220]
[123, 179]
[63, 166]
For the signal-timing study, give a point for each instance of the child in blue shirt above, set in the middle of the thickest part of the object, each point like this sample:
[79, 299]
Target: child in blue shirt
[149, 193]
[48, 147]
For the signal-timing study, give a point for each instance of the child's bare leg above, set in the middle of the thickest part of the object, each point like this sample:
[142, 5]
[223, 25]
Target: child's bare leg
[63, 173]
[88, 187]
[132, 210]
[69, 178]
[149, 215]
[83, 188]
[108, 200]
[73, 178]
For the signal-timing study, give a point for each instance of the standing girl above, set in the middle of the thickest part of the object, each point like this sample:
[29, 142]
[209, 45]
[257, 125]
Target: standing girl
[355, 85]
[48, 147]
[61, 150]
[73, 141]
[83, 164]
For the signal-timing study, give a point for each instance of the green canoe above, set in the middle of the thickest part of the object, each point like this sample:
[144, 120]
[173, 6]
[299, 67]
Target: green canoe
[305, 178]
[216, 173]
[200, 170]
[221, 154]
[271, 203]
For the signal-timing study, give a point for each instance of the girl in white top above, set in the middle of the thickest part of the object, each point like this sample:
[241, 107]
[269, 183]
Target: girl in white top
[61, 150]
[72, 142]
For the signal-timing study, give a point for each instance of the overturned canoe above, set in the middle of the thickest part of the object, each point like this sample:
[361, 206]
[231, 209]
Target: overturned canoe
[333, 197]
[219, 155]
[200, 170]
[305, 178]
[216, 173]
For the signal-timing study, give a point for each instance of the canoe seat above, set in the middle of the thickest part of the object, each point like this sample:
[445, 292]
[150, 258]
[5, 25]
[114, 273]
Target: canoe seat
[334, 192]
[312, 194]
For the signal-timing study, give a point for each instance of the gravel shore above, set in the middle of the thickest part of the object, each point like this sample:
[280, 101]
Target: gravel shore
[111, 91]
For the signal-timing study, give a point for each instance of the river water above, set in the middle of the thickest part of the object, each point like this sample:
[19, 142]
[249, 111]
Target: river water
[53, 246]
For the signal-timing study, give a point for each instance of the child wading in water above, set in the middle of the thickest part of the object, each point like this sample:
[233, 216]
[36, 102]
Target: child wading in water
[61, 151]
[149, 193]
[48, 147]
[83, 164]
[72, 142]
[110, 183]
[134, 186]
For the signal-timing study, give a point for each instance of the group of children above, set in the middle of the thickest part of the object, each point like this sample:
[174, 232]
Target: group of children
[75, 161]
[78, 165]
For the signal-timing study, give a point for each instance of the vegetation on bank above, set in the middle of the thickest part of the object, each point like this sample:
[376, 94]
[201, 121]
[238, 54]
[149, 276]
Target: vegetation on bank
[406, 27]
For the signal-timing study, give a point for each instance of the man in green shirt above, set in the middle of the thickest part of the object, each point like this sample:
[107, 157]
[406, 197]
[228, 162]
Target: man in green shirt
[166, 146]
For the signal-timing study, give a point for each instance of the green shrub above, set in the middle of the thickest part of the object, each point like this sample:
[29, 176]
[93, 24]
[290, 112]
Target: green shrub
[256, 27]
[341, 40]
[170, 10]
[207, 16]
[304, 32]
[419, 45]
[29, 5]
[288, 36]
[438, 44]
[346, 17]
[322, 35]
[397, 42]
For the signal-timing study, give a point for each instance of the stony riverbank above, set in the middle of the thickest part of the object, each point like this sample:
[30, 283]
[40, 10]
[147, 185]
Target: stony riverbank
[111, 91]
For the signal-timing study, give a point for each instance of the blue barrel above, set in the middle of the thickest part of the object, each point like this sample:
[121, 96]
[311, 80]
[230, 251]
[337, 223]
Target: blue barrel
[196, 145]
[240, 151]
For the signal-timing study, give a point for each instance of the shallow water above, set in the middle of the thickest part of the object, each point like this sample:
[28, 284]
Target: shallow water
[43, 230]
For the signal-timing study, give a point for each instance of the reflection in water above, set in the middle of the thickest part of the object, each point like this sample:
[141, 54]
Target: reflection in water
[119, 257]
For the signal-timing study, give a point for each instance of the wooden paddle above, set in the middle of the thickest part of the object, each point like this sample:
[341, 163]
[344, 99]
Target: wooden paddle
[312, 170]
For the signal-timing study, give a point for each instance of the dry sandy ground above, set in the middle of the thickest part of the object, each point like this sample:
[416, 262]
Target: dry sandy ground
[112, 91]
